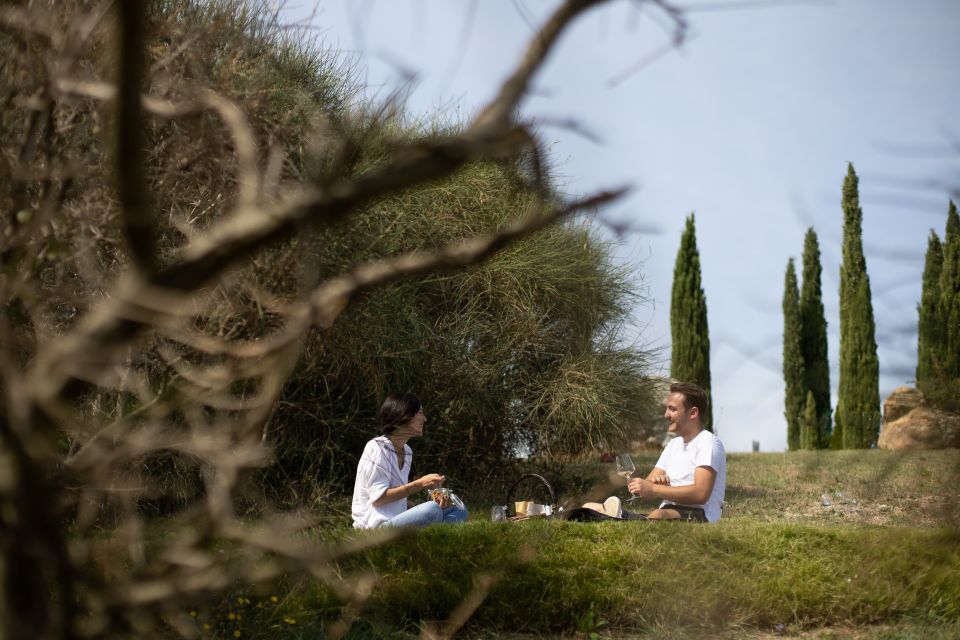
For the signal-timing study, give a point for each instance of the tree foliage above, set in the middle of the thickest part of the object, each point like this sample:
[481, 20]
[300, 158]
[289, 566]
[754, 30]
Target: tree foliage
[950, 295]
[930, 330]
[810, 423]
[690, 335]
[858, 402]
[938, 344]
[813, 342]
[792, 358]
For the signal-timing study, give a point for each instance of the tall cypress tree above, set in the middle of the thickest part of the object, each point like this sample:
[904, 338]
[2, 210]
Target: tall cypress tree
[858, 404]
[949, 311]
[690, 353]
[836, 438]
[810, 424]
[929, 330]
[813, 338]
[793, 396]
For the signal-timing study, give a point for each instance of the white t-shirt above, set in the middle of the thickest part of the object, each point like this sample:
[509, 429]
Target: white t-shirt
[680, 459]
[378, 471]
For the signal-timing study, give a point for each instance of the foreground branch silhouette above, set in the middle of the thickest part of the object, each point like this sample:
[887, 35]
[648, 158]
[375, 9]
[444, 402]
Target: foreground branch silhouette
[59, 582]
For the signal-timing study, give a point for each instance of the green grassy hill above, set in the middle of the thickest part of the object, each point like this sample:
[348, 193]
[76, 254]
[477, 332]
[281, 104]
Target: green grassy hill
[881, 560]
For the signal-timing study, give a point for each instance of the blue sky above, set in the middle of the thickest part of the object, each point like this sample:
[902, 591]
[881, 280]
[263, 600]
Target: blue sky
[750, 124]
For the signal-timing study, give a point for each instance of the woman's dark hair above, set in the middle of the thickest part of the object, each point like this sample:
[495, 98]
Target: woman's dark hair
[396, 411]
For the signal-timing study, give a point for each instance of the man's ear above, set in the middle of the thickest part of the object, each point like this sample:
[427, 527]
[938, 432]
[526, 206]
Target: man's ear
[694, 412]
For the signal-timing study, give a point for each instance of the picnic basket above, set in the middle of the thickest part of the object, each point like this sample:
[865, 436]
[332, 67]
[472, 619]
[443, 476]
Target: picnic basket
[534, 488]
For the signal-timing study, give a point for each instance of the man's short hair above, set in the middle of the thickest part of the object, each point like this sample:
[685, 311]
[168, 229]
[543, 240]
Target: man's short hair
[693, 395]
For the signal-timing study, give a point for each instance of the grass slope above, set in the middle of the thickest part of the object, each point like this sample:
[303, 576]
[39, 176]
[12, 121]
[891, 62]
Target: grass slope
[883, 560]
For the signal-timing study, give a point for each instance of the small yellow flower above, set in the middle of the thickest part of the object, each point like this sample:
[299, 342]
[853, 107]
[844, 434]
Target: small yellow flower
[232, 616]
[206, 627]
[193, 614]
[236, 633]
[290, 621]
[239, 599]
[273, 598]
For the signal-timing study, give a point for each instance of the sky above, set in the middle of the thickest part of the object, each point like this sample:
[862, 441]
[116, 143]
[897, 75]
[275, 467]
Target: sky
[749, 124]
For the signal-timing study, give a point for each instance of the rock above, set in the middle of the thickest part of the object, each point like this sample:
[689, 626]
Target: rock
[921, 428]
[900, 402]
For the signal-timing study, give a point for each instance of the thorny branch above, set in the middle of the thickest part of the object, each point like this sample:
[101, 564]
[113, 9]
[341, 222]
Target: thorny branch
[39, 404]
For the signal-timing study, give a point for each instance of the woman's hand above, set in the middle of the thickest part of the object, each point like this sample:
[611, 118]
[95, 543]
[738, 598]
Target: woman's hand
[660, 479]
[430, 481]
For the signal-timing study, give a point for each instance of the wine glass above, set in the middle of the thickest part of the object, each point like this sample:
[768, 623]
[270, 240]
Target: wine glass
[625, 468]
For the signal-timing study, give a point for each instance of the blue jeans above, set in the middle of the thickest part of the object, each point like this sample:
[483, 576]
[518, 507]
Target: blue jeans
[426, 513]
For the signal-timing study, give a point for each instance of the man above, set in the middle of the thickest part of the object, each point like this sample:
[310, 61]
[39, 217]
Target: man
[690, 477]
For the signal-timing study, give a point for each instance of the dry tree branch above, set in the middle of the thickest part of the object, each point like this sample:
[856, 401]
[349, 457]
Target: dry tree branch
[135, 211]
[328, 300]
[497, 115]
[65, 368]
[482, 584]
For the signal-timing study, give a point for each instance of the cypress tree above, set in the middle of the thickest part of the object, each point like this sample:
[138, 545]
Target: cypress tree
[949, 312]
[810, 424]
[858, 404]
[792, 358]
[836, 438]
[690, 352]
[929, 330]
[813, 337]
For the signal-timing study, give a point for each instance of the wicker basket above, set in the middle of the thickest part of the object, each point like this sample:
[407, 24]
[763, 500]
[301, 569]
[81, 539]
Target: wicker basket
[532, 487]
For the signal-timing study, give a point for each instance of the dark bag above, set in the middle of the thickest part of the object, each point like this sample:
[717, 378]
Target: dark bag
[589, 515]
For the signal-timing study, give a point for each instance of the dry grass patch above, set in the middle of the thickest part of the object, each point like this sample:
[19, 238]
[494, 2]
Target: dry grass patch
[864, 487]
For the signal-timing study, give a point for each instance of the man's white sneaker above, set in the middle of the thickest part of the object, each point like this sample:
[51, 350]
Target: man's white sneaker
[612, 507]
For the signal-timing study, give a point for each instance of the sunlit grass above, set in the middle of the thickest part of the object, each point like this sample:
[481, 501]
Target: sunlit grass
[883, 560]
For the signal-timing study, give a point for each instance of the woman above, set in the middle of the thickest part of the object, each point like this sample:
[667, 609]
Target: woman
[382, 486]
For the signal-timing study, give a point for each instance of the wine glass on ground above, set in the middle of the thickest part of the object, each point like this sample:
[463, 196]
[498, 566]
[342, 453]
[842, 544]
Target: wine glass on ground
[625, 468]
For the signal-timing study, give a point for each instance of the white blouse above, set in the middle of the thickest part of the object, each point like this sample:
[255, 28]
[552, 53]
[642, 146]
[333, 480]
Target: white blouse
[378, 471]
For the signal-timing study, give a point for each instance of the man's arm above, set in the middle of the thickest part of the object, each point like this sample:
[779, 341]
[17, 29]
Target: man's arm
[696, 493]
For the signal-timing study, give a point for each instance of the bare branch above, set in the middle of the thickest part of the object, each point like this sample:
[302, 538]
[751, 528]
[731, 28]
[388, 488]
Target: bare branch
[499, 112]
[138, 223]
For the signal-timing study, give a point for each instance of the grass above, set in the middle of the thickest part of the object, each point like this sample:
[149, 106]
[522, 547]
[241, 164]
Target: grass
[875, 487]
[883, 560]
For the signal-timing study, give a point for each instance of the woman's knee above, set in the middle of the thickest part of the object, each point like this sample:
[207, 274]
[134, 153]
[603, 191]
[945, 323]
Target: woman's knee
[455, 514]
[434, 511]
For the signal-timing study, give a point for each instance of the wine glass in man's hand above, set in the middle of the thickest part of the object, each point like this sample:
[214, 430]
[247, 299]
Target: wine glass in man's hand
[625, 468]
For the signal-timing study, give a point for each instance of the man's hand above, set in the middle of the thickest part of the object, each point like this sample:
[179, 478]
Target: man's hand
[641, 487]
[644, 487]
